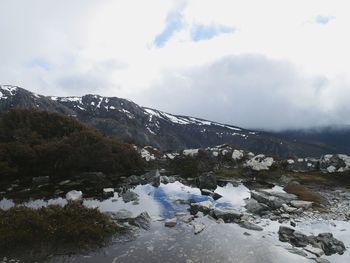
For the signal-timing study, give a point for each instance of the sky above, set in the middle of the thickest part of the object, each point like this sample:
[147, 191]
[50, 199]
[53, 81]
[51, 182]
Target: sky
[262, 64]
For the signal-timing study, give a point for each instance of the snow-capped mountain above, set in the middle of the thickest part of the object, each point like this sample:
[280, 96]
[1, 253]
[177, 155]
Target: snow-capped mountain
[125, 119]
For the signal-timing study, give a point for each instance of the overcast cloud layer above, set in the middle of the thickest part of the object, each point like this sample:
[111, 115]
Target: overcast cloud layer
[258, 64]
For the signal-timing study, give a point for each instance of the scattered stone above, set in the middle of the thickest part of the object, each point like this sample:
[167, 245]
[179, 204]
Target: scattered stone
[170, 222]
[167, 179]
[121, 215]
[214, 195]
[314, 250]
[64, 182]
[108, 192]
[301, 204]
[271, 201]
[129, 196]
[143, 221]
[228, 215]
[152, 177]
[41, 179]
[198, 227]
[204, 207]
[133, 180]
[293, 224]
[296, 251]
[321, 260]
[74, 196]
[289, 209]
[254, 207]
[250, 226]
[247, 234]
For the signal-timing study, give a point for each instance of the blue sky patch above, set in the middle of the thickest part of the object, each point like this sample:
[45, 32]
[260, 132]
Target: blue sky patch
[40, 63]
[173, 23]
[323, 20]
[205, 32]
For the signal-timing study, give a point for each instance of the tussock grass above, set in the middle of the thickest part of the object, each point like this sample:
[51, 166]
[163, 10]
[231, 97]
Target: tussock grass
[55, 225]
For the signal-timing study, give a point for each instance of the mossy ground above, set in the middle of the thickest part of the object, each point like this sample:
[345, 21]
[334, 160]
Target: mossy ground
[54, 226]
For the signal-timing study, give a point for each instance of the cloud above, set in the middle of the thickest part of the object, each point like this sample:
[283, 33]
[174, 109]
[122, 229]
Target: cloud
[205, 32]
[252, 91]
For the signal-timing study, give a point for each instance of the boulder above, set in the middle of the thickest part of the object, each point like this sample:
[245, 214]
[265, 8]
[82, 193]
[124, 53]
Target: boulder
[250, 226]
[207, 181]
[74, 196]
[152, 177]
[129, 196]
[314, 250]
[214, 195]
[254, 207]
[204, 207]
[108, 192]
[167, 179]
[170, 222]
[328, 243]
[143, 221]
[121, 215]
[134, 180]
[271, 201]
[228, 215]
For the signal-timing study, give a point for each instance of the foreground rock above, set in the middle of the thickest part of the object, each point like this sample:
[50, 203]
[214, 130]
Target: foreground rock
[324, 241]
[143, 221]
[227, 215]
[170, 222]
[204, 207]
[129, 196]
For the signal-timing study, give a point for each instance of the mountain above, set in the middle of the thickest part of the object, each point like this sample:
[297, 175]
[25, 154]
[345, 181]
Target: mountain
[336, 137]
[125, 119]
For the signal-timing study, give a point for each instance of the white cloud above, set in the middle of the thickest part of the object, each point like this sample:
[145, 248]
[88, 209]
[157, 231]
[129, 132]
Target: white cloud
[107, 47]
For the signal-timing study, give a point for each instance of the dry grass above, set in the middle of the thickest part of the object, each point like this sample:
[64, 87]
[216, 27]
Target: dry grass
[303, 193]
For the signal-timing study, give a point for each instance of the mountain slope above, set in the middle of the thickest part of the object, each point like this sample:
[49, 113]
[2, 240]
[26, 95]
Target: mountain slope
[124, 119]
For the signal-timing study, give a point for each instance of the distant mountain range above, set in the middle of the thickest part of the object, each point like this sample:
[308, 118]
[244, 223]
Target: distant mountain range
[125, 119]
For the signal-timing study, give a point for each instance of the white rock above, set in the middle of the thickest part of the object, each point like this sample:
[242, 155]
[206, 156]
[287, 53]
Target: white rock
[301, 204]
[74, 195]
[108, 190]
[170, 222]
[237, 155]
[190, 152]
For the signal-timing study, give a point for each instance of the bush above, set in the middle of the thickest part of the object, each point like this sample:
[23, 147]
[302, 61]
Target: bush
[39, 143]
[71, 224]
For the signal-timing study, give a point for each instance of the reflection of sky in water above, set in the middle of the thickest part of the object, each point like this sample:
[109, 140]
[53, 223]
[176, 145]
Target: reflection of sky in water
[232, 196]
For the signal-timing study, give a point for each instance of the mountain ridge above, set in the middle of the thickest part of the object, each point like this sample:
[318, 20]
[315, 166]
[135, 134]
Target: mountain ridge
[125, 119]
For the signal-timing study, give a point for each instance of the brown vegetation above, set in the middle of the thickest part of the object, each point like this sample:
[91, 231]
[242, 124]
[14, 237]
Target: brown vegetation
[303, 193]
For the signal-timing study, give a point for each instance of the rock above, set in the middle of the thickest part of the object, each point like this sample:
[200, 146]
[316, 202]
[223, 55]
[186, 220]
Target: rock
[314, 250]
[198, 227]
[271, 201]
[152, 177]
[321, 260]
[285, 196]
[259, 162]
[287, 234]
[121, 215]
[293, 224]
[143, 221]
[167, 179]
[64, 182]
[214, 195]
[328, 243]
[133, 180]
[74, 196]
[170, 222]
[289, 209]
[129, 196]
[250, 226]
[254, 207]
[108, 192]
[228, 215]
[41, 179]
[324, 241]
[186, 218]
[301, 204]
[296, 251]
[204, 207]
[247, 234]
[207, 181]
